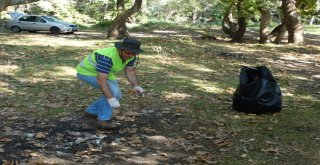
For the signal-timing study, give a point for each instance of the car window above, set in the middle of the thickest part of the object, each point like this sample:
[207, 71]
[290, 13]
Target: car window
[24, 18]
[28, 18]
[49, 18]
[39, 19]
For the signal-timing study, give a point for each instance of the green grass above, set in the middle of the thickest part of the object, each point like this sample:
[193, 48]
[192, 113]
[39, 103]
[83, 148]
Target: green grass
[312, 28]
[37, 77]
[307, 28]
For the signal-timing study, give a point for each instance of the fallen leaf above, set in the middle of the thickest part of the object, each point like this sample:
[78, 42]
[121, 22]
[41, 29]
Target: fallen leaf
[5, 139]
[219, 123]
[163, 154]
[34, 154]
[271, 150]
[221, 143]
[83, 153]
[130, 113]
[149, 130]
[243, 155]
[204, 156]
[121, 118]
[26, 153]
[194, 133]
[121, 157]
[37, 144]
[129, 119]
[54, 105]
[270, 142]
[13, 118]
[269, 128]
[41, 135]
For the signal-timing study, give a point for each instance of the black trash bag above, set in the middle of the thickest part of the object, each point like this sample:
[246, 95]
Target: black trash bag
[257, 92]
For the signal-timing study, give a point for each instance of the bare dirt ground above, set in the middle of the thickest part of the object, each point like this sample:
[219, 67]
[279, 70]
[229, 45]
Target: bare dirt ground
[151, 137]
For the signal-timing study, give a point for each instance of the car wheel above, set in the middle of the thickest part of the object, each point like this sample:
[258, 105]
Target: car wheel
[55, 30]
[16, 29]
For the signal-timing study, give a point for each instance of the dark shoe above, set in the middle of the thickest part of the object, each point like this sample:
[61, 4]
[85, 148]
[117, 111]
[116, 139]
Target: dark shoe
[91, 116]
[106, 125]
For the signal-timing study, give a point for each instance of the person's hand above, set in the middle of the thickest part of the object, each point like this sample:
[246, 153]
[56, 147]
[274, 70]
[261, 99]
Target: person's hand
[114, 103]
[138, 89]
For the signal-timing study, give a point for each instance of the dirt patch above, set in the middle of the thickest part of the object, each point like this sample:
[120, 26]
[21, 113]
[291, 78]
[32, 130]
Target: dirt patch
[152, 137]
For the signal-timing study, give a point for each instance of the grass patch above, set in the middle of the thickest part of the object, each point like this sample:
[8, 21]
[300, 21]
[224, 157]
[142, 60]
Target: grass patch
[312, 28]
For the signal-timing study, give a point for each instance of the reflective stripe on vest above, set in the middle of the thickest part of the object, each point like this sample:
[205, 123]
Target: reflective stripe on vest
[89, 58]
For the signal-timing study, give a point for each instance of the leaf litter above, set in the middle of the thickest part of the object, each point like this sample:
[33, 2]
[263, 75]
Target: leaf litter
[160, 129]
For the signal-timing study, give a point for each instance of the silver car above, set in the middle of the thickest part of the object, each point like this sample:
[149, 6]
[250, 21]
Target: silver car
[34, 23]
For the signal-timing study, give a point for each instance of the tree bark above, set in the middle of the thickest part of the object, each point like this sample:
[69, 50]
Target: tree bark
[265, 21]
[119, 21]
[5, 3]
[278, 32]
[120, 5]
[292, 22]
[229, 25]
[241, 23]
[241, 30]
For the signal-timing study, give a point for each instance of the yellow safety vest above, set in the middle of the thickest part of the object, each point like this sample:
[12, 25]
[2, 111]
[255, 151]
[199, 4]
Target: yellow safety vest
[87, 66]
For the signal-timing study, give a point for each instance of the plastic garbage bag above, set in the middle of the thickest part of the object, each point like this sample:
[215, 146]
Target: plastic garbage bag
[257, 92]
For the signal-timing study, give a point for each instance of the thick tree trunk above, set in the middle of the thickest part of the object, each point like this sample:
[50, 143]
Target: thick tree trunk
[292, 22]
[119, 21]
[5, 3]
[242, 23]
[241, 30]
[229, 25]
[278, 32]
[122, 29]
[265, 21]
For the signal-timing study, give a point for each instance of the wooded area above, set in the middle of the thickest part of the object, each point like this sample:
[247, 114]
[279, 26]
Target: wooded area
[233, 15]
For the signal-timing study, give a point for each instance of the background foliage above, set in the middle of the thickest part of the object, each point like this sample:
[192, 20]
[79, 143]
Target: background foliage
[180, 11]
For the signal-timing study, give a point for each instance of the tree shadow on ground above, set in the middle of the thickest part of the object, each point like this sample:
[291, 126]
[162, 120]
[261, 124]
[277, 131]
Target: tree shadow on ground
[182, 118]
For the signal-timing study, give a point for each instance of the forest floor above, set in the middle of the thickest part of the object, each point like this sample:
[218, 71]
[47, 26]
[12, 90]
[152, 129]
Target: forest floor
[184, 117]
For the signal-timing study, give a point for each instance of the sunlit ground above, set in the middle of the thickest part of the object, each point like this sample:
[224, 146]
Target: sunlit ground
[184, 74]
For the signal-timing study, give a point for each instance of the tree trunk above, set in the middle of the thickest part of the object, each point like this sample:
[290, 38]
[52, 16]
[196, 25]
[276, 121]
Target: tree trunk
[241, 30]
[313, 18]
[241, 23]
[194, 16]
[120, 5]
[278, 32]
[5, 3]
[265, 21]
[119, 21]
[292, 22]
[229, 25]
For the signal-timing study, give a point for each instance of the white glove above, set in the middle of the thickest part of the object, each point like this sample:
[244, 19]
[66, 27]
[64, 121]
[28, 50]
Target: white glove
[138, 89]
[114, 103]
